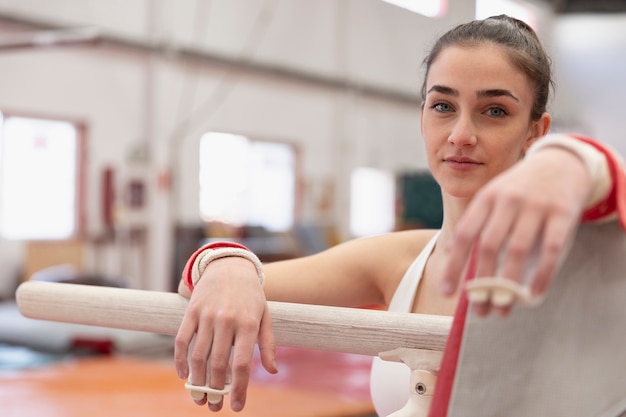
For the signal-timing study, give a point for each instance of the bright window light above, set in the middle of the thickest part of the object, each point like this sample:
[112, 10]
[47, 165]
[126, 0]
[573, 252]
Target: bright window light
[430, 8]
[38, 184]
[246, 182]
[371, 202]
[517, 9]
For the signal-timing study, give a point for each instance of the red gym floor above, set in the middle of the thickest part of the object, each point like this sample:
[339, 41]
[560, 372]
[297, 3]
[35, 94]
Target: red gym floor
[309, 384]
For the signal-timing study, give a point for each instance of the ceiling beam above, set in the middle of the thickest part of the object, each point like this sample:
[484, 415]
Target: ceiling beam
[244, 66]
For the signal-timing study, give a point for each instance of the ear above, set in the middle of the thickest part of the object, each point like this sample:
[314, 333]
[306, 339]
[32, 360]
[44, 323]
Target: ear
[538, 130]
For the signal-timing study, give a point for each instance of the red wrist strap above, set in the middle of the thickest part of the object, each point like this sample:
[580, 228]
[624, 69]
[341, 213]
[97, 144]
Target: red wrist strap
[214, 245]
[616, 199]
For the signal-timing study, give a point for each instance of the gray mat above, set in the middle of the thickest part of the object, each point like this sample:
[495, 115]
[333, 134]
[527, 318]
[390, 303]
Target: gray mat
[565, 358]
[57, 338]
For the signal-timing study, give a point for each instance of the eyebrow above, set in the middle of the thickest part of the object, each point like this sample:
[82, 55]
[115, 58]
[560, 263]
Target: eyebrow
[444, 90]
[494, 92]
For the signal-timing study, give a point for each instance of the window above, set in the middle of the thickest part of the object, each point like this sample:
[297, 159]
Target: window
[247, 182]
[430, 8]
[39, 167]
[371, 202]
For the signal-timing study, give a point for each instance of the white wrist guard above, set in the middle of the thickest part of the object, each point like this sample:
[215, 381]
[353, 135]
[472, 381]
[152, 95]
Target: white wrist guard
[594, 160]
[209, 255]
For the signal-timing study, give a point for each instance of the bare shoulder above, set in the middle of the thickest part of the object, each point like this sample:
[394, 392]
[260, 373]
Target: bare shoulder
[386, 258]
[392, 245]
[412, 241]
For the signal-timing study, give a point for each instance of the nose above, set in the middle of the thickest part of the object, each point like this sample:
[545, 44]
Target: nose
[463, 132]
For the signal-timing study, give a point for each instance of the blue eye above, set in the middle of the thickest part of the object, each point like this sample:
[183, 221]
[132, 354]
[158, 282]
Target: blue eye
[441, 107]
[496, 112]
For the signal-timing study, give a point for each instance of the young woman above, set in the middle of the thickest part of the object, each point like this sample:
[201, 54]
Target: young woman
[508, 188]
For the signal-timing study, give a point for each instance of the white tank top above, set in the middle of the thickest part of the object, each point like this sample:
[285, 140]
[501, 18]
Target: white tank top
[389, 381]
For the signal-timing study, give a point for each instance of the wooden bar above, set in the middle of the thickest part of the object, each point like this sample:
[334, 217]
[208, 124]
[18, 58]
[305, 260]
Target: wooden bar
[338, 329]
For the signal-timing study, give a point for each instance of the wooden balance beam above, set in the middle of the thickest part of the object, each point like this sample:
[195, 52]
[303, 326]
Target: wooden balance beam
[337, 329]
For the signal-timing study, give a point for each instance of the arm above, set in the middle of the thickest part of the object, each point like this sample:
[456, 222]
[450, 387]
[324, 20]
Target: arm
[355, 273]
[532, 210]
[228, 308]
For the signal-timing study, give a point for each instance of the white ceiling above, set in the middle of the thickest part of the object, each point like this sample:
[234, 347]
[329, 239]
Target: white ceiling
[589, 51]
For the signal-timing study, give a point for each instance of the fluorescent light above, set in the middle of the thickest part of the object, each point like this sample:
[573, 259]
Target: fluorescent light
[430, 8]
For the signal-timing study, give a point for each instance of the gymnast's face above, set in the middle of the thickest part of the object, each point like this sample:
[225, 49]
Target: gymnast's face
[476, 119]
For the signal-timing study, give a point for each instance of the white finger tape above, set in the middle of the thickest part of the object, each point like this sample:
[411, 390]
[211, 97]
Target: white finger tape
[214, 396]
[501, 292]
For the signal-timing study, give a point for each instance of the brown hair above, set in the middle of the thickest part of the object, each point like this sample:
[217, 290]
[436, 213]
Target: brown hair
[520, 43]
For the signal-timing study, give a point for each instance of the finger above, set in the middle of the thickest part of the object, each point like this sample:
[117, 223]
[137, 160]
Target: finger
[515, 258]
[479, 300]
[487, 294]
[522, 246]
[486, 300]
[461, 244]
[557, 237]
[504, 249]
[219, 358]
[242, 359]
[481, 309]
[198, 357]
[182, 341]
[502, 311]
[267, 343]
[493, 238]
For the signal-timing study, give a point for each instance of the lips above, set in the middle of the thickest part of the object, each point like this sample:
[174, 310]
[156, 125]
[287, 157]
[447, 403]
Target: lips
[461, 160]
[461, 163]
